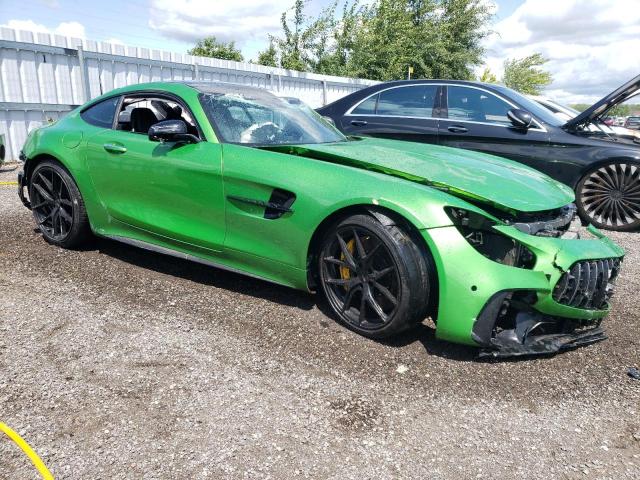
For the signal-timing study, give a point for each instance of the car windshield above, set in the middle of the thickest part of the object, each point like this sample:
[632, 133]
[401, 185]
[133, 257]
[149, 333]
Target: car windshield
[256, 117]
[537, 110]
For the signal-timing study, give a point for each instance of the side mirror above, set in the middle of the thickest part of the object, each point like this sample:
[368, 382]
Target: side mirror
[171, 131]
[520, 118]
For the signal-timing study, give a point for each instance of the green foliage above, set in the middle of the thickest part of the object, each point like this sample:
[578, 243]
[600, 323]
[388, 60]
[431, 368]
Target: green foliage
[210, 47]
[525, 76]
[581, 107]
[623, 110]
[438, 38]
[487, 76]
[268, 57]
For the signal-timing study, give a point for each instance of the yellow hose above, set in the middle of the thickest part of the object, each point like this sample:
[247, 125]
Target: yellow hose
[27, 449]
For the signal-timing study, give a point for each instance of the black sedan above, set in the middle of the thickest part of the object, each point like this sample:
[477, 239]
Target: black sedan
[603, 170]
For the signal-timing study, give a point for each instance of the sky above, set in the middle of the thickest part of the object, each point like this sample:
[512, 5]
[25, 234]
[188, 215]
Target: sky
[592, 45]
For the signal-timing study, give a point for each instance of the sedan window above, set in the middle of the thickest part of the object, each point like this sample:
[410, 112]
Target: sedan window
[368, 107]
[476, 105]
[413, 101]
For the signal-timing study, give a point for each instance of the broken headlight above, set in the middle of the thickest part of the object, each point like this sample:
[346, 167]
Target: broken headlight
[478, 231]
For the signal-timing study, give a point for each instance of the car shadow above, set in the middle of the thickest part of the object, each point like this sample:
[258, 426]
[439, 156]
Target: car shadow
[245, 285]
[422, 333]
[203, 274]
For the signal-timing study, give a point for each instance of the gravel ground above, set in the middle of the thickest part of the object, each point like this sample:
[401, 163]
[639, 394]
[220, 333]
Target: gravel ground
[117, 363]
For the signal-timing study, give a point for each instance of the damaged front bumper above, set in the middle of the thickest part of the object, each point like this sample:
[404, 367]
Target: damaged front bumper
[556, 304]
[509, 326]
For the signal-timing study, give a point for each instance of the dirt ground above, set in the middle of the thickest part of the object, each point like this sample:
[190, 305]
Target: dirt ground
[118, 363]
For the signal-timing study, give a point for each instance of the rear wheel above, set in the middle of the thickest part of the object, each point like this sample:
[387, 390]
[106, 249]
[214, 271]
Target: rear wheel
[57, 206]
[375, 278]
[609, 196]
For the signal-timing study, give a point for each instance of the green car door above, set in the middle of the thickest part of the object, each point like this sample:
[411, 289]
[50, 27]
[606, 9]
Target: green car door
[170, 189]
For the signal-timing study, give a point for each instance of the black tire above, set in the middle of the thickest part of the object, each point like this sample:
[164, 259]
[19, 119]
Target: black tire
[57, 206]
[377, 279]
[608, 196]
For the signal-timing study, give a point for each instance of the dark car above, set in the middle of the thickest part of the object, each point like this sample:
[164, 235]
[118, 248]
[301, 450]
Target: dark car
[603, 170]
[632, 122]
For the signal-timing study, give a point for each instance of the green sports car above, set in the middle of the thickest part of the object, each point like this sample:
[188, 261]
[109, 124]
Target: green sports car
[389, 232]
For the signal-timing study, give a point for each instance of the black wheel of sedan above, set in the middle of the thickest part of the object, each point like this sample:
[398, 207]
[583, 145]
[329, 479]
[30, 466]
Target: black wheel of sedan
[609, 196]
[57, 205]
[375, 278]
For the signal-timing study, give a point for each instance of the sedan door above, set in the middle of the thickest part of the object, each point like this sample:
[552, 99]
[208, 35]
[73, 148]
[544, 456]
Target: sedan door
[400, 113]
[476, 119]
[170, 189]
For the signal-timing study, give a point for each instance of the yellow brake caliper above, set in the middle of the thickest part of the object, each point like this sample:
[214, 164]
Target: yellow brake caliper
[345, 272]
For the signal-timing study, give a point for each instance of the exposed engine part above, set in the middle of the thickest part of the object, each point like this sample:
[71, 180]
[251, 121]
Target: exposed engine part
[478, 231]
[542, 225]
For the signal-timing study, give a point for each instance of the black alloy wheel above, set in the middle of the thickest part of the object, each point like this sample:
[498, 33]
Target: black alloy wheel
[57, 205]
[609, 196]
[375, 278]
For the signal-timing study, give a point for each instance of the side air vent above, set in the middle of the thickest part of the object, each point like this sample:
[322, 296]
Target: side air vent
[279, 203]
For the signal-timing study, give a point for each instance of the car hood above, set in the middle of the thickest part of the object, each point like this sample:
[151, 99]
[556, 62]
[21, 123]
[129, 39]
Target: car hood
[618, 96]
[474, 176]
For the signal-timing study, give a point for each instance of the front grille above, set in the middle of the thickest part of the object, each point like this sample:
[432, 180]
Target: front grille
[587, 284]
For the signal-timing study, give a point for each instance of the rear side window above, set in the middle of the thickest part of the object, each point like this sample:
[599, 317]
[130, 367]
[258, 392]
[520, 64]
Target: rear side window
[101, 114]
[413, 101]
[368, 107]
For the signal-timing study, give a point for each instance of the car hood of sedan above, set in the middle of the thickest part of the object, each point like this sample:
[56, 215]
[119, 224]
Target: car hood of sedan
[618, 96]
[474, 176]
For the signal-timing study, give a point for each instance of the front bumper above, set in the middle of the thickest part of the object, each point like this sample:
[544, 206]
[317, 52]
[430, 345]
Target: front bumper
[478, 297]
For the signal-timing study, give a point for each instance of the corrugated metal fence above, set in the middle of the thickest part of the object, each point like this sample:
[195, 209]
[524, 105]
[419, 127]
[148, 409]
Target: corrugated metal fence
[44, 75]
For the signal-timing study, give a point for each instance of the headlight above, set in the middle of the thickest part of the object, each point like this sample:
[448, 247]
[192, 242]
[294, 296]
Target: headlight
[478, 231]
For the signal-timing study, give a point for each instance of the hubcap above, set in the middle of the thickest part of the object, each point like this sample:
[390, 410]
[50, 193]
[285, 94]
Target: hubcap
[51, 203]
[361, 278]
[611, 195]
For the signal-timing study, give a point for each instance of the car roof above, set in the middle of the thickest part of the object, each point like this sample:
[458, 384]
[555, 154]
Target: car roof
[180, 86]
[397, 83]
[342, 104]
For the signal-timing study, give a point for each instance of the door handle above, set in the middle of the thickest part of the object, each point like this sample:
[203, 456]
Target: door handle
[358, 123]
[114, 148]
[457, 129]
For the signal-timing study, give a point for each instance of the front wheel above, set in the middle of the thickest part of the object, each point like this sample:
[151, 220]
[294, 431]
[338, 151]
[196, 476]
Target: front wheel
[375, 278]
[609, 196]
[57, 206]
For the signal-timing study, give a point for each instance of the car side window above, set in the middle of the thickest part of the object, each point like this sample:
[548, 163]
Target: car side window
[476, 105]
[101, 114]
[368, 107]
[139, 113]
[412, 101]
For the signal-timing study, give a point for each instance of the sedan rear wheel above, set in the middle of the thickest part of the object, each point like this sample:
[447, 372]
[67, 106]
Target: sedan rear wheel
[57, 205]
[375, 277]
[609, 196]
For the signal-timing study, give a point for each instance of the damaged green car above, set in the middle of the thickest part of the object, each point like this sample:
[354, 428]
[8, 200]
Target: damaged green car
[389, 232]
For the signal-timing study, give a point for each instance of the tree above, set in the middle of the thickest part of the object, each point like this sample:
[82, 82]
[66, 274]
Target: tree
[381, 40]
[487, 76]
[210, 47]
[525, 76]
[268, 57]
[291, 46]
